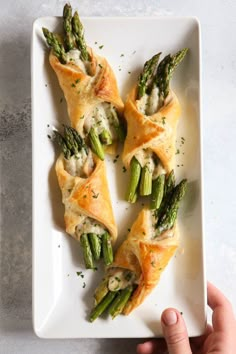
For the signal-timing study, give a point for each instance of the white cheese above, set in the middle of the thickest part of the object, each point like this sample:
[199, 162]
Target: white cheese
[149, 104]
[74, 166]
[73, 56]
[101, 118]
[88, 225]
[120, 279]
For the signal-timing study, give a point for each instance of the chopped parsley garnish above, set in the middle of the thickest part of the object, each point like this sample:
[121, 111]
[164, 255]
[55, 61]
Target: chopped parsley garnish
[95, 195]
[82, 117]
[73, 85]
[101, 46]
[124, 169]
[177, 152]
[84, 285]
[122, 55]
[77, 81]
[80, 274]
[100, 65]
[163, 120]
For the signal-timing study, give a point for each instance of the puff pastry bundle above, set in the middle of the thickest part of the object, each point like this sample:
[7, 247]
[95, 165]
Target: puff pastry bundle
[94, 106]
[88, 212]
[142, 257]
[152, 111]
[89, 86]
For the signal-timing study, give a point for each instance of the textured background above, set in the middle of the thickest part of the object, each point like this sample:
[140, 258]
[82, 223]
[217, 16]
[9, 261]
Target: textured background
[219, 126]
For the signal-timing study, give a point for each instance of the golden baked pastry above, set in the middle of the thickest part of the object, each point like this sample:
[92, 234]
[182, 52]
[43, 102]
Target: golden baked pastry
[88, 212]
[152, 111]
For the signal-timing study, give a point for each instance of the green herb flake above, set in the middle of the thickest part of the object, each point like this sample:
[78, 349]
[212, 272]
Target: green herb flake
[95, 195]
[122, 55]
[128, 230]
[84, 196]
[101, 46]
[82, 117]
[100, 65]
[73, 85]
[117, 279]
[153, 264]
[49, 137]
[129, 72]
[80, 274]
[84, 285]
[163, 120]
[124, 169]
[61, 100]
[77, 81]
[177, 152]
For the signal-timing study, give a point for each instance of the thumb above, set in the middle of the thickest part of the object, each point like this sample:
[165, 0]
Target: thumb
[175, 332]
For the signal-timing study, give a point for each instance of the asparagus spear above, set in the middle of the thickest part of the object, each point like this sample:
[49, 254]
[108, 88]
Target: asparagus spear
[146, 78]
[158, 186]
[62, 143]
[167, 221]
[120, 301]
[56, 46]
[101, 307]
[95, 244]
[67, 24]
[118, 125]
[96, 144]
[165, 71]
[135, 170]
[146, 181]
[105, 137]
[170, 182]
[87, 253]
[101, 291]
[107, 249]
[80, 142]
[78, 32]
[169, 187]
[70, 140]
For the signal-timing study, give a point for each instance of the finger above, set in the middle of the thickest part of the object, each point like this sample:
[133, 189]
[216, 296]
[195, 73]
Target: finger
[175, 332]
[196, 343]
[156, 346]
[223, 317]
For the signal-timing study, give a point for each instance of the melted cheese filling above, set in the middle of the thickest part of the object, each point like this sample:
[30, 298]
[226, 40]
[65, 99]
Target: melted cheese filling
[102, 117]
[120, 279]
[80, 165]
[88, 225]
[149, 104]
[73, 56]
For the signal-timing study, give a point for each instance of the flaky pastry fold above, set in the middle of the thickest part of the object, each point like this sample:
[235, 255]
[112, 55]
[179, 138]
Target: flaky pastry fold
[86, 196]
[83, 92]
[146, 256]
[156, 132]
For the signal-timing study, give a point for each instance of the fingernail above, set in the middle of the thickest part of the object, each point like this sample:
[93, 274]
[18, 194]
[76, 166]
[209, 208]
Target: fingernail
[169, 318]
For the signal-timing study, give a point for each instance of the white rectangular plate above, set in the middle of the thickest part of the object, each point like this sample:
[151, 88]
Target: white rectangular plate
[61, 298]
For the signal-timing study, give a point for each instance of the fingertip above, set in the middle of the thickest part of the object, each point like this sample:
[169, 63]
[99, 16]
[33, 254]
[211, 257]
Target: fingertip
[144, 348]
[170, 317]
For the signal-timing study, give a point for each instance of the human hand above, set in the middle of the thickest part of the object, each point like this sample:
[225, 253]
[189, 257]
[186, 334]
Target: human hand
[220, 338]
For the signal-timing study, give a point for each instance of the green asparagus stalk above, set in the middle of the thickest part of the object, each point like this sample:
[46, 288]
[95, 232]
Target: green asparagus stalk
[70, 140]
[158, 186]
[105, 137]
[165, 71]
[87, 253]
[145, 181]
[146, 79]
[62, 143]
[101, 291]
[170, 183]
[80, 142]
[102, 306]
[95, 244]
[119, 128]
[96, 144]
[78, 32]
[168, 219]
[56, 46]
[168, 190]
[120, 301]
[67, 24]
[135, 171]
[107, 249]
